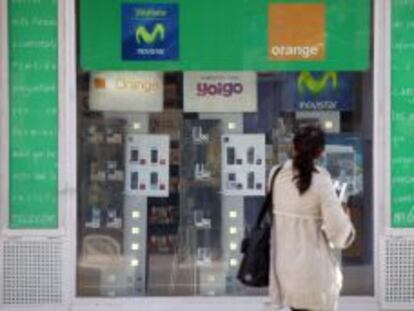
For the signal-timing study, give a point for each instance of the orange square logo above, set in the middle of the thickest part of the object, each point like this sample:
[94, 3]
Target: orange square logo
[99, 83]
[297, 32]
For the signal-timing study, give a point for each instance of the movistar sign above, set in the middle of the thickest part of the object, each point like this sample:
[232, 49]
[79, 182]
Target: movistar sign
[150, 31]
[143, 35]
[307, 82]
[320, 91]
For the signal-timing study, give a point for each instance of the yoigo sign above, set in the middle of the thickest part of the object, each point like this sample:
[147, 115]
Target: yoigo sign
[150, 31]
[321, 91]
[220, 92]
[219, 89]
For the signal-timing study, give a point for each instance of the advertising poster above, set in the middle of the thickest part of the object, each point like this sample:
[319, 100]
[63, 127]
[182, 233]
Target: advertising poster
[150, 31]
[243, 164]
[297, 32]
[319, 91]
[147, 165]
[220, 92]
[343, 158]
[126, 91]
[340, 162]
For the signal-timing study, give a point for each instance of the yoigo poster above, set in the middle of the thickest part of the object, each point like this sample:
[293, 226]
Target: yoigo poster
[220, 92]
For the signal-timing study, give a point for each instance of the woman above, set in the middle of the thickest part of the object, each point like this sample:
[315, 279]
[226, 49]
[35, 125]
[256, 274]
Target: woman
[309, 223]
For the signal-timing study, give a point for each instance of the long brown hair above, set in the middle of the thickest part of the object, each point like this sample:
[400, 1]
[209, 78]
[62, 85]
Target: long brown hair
[309, 143]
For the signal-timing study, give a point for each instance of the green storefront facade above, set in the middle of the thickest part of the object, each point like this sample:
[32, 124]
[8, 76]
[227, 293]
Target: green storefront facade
[136, 137]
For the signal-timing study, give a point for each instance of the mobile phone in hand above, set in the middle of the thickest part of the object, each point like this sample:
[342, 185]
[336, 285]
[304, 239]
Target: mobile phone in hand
[343, 192]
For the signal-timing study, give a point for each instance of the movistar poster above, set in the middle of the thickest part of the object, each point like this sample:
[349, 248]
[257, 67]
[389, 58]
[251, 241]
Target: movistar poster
[320, 91]
[149, 31]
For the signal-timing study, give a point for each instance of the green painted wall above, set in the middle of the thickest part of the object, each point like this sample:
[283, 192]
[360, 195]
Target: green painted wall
[402, 105]
[33, 113]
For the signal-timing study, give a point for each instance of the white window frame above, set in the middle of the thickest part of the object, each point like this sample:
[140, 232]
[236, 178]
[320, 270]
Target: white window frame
[68, 170]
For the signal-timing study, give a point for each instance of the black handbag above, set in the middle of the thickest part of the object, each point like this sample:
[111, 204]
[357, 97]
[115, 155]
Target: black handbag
[255, 247]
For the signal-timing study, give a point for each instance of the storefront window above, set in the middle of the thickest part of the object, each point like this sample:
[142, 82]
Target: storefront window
[172, 170]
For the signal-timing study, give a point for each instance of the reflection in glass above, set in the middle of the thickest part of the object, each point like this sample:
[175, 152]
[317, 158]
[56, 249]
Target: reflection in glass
[158, 215]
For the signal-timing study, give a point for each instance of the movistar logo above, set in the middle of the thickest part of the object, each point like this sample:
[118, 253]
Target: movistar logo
[316, 86]
[142, 34]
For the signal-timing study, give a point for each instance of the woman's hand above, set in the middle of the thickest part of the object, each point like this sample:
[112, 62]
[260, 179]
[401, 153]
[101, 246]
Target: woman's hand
[346, 209]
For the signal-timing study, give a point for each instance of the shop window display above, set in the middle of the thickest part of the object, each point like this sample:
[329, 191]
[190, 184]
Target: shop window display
[172, 171]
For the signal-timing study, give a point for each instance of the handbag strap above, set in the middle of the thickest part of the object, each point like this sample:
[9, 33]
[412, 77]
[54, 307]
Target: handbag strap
[267, 207]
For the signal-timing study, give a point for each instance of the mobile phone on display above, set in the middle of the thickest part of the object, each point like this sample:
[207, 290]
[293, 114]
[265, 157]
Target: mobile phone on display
[250, 180]
[134, 181]
[154, 179]
[231, 155]
[154, 156]
[250, 155]
[134, 155]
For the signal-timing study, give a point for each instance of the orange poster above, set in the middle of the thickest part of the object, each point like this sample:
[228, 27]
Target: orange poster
[297, 32]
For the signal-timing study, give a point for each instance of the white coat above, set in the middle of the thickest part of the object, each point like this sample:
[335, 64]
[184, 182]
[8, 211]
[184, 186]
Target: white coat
[305, 270]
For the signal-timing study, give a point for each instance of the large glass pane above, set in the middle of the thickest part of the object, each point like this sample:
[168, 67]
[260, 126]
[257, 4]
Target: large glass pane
[172, 164]
[168, 185]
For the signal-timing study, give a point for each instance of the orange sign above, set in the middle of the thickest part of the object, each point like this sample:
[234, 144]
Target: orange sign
[99, 83]
[297, 32]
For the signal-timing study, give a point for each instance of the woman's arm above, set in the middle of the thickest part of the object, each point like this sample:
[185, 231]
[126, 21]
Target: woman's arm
[337, 224]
